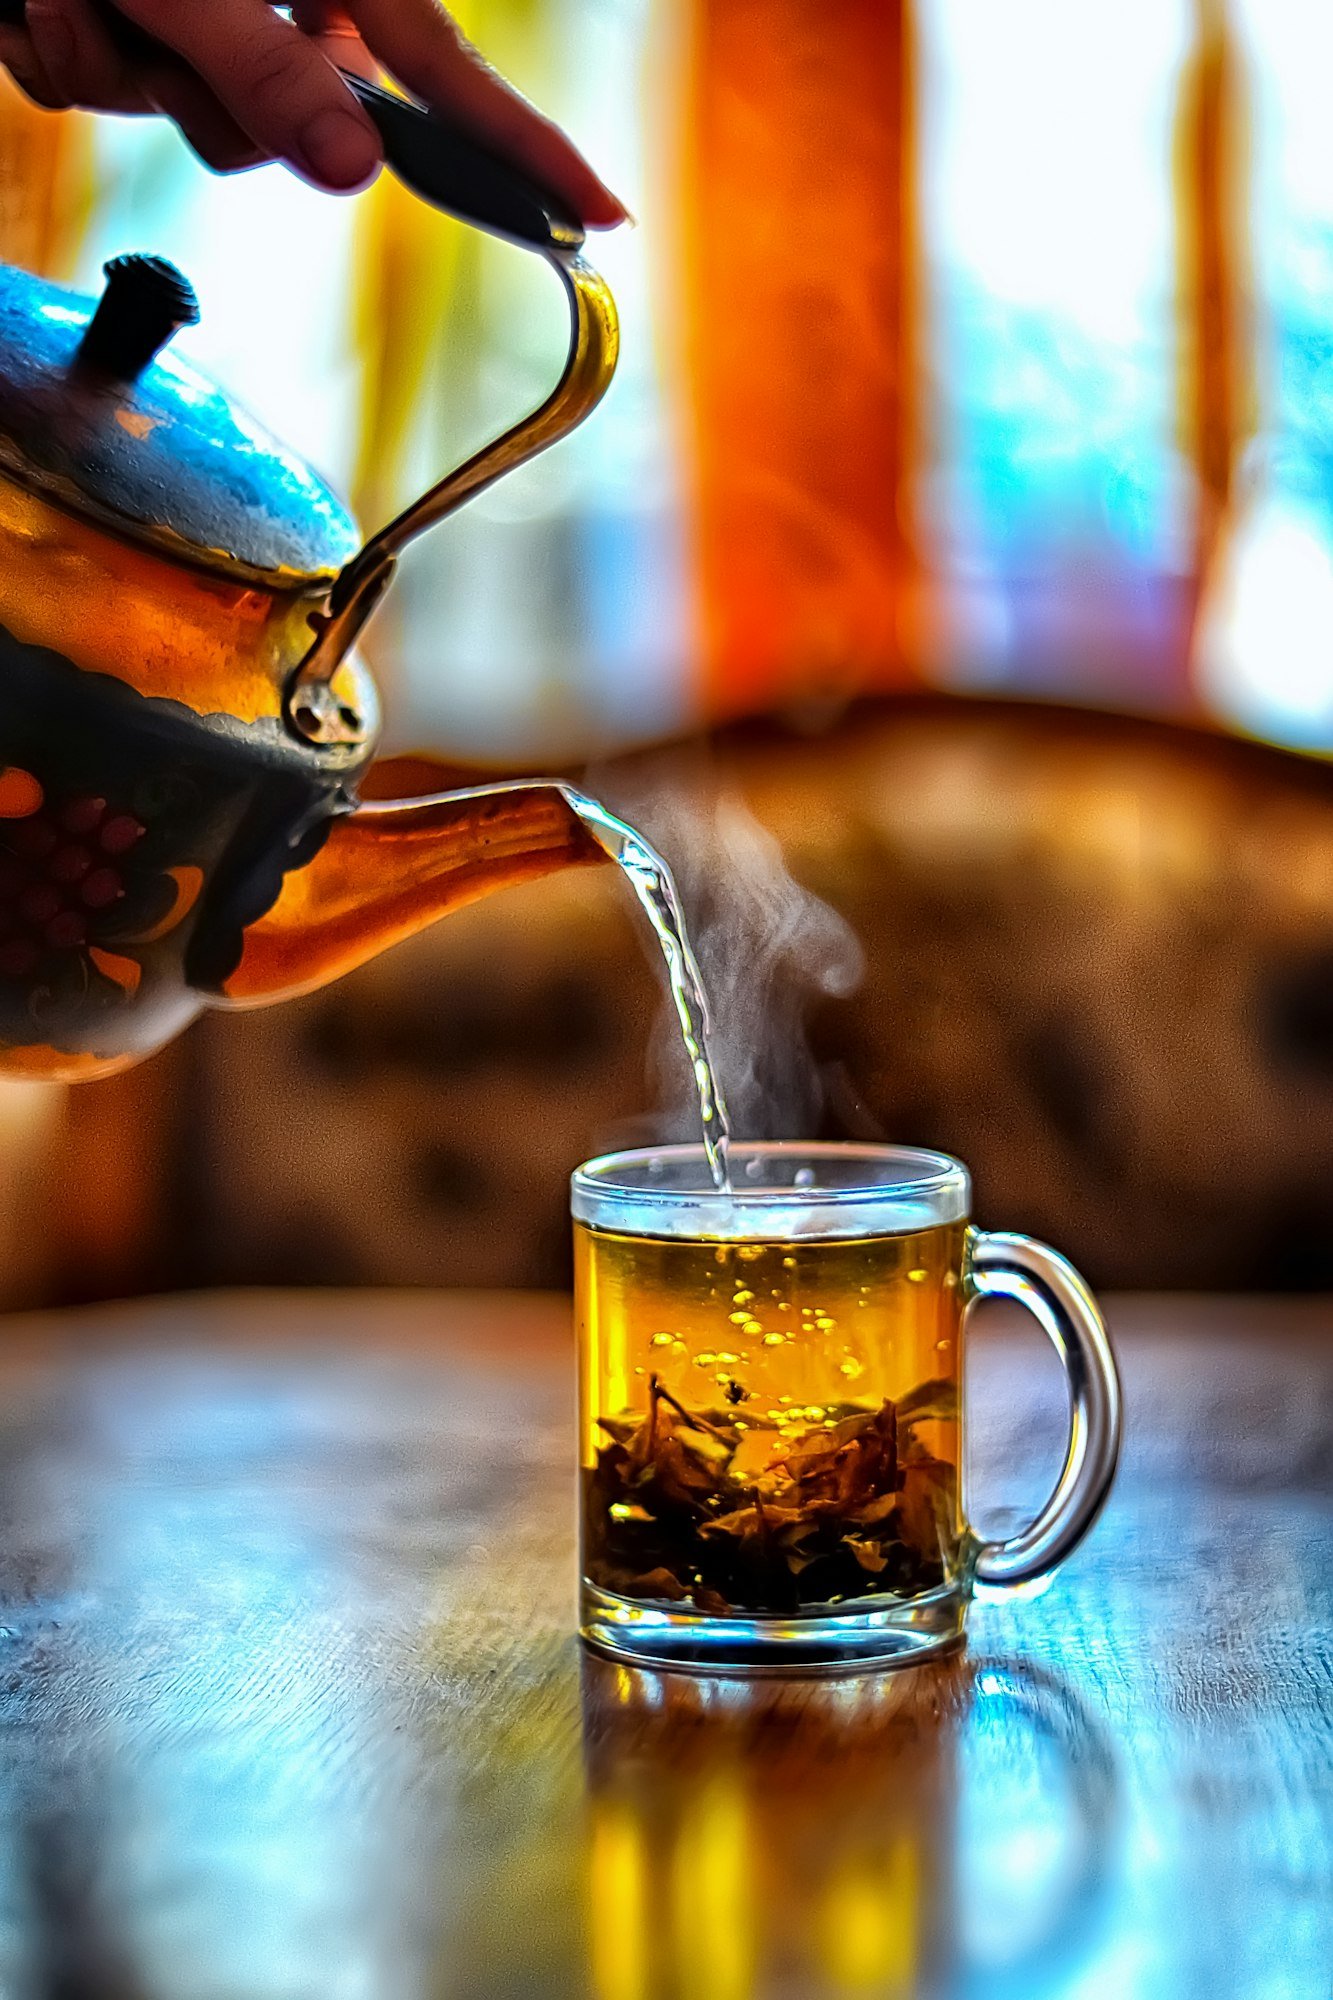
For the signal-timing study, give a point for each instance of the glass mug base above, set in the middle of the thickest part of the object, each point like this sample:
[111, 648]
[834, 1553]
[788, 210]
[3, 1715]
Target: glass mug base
[883, 1634]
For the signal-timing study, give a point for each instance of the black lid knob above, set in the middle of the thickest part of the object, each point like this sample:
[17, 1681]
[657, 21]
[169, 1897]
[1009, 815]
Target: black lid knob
[146, 300]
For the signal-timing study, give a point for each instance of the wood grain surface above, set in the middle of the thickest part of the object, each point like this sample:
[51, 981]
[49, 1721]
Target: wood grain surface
[291, 1705]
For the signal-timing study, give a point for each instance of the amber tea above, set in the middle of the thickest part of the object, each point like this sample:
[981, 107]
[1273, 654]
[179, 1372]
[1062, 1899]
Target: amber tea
[771, 1427]
[770, 1430]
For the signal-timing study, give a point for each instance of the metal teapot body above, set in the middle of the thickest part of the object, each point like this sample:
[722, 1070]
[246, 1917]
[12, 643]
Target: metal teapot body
[186, 732]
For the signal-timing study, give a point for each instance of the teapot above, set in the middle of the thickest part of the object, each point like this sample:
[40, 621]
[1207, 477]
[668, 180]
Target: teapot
[190, 813]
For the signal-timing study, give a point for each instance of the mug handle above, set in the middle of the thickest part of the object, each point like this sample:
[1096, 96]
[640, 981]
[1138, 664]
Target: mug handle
[1003, 1266]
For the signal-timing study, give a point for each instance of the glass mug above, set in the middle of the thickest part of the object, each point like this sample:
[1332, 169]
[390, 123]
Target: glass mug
[770, 1405]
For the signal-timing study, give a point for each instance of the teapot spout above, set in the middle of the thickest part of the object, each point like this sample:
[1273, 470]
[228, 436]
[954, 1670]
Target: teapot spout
[391, 868]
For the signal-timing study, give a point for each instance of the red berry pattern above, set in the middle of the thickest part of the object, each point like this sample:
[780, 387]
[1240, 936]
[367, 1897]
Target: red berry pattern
[81, 815]
[39, 904]
[119, 835]
[100, 889]
[32, 839]
[58, 868]
[18, 958]
[67, 930]
[69, 864]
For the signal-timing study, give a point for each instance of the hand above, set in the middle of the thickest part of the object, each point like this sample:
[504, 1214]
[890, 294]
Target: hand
[245, 84]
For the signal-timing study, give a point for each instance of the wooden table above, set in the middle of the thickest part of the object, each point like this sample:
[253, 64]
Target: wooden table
[291, 1704]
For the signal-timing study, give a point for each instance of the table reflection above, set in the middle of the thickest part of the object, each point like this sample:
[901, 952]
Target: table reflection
[217, 1791]
[837, 1838]
[292, 1708]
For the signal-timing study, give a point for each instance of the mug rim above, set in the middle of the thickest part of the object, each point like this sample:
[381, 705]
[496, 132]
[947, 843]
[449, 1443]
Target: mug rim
[623, 1182]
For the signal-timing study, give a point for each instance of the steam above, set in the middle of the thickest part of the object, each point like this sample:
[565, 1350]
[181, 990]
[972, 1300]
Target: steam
[767, 949]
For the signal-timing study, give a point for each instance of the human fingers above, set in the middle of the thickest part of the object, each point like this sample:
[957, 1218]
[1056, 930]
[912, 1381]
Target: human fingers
[84, 64]
[25, 66]
[80, 58]
[335, 35]
[273, 82]
[425, 49]
[207, 127]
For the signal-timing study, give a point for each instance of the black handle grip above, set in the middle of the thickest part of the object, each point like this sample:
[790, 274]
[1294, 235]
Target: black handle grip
[463, 178]
[432, 157]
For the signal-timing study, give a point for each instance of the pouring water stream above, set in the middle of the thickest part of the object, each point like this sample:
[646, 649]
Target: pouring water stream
[652, 882]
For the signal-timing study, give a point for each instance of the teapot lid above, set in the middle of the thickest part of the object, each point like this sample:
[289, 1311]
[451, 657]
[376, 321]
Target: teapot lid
[96, 418]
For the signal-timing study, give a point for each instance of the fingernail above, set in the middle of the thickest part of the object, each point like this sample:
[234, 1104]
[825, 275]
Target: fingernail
[338, 149]
[610, 212]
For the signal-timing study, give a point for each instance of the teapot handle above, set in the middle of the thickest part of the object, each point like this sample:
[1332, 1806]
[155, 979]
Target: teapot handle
[310, 705]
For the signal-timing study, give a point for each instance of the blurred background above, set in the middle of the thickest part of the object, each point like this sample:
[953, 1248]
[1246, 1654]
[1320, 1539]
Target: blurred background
[947, 584]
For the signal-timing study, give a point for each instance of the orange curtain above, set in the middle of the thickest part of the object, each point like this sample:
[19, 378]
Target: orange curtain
[46, 184]
[801, 287]
[1217, 395]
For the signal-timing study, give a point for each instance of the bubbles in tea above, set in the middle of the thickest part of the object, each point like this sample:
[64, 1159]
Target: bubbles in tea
[770, 1427]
